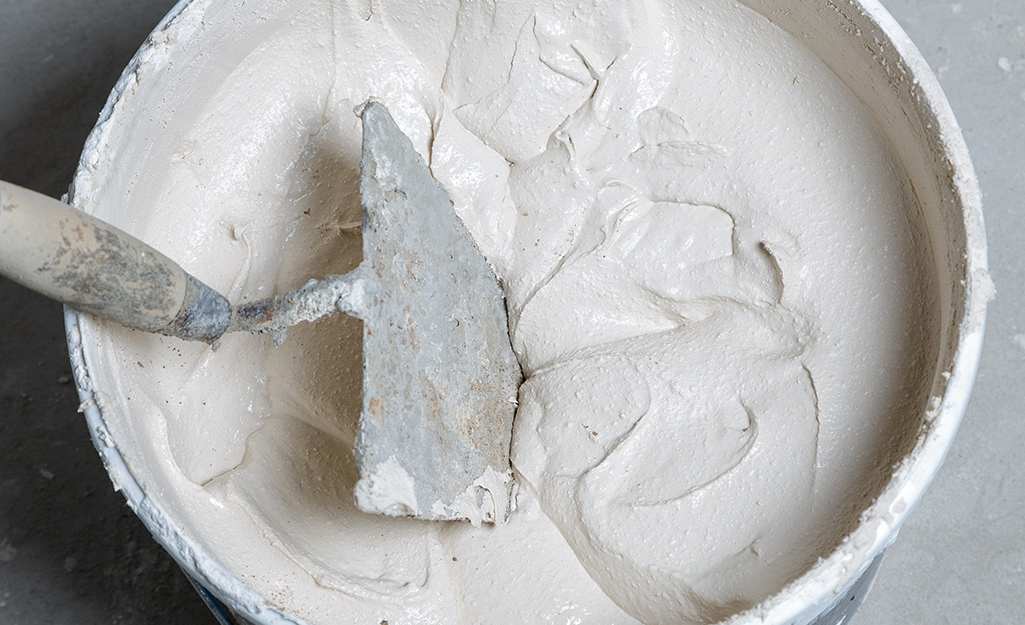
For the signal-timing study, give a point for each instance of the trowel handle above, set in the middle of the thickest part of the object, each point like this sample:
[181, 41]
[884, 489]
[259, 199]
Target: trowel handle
[93, 267]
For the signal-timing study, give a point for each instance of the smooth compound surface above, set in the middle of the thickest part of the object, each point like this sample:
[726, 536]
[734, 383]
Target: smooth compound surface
[960, 558]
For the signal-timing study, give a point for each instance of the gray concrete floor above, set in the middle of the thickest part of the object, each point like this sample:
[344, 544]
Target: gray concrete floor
[72, 552]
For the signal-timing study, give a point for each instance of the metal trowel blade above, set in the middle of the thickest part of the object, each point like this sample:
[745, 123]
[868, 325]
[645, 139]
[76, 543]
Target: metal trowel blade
[439, 375]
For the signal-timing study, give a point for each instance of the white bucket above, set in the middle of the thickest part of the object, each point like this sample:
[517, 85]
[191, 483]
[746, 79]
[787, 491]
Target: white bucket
[870, 52]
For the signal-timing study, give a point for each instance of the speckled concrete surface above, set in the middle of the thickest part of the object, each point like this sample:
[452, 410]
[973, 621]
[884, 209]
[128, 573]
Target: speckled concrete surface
[71, 551]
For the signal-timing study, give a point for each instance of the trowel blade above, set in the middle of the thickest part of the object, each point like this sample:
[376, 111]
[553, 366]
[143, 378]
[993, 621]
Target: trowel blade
[439, 375]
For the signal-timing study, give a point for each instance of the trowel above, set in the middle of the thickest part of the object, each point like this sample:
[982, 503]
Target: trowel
[439, 375]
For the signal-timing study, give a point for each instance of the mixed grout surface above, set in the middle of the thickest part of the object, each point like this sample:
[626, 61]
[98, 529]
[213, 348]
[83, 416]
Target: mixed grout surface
[71, 551]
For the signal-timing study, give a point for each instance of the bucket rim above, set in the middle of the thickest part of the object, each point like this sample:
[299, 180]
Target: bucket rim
[808, 596]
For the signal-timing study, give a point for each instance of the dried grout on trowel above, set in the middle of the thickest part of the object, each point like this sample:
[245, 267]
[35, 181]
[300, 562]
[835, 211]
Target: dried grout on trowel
[439, 374]
[434, 442]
